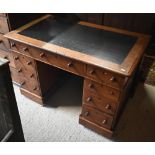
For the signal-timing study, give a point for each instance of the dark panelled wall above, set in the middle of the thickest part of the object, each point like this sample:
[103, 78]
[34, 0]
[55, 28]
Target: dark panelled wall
[144, 23]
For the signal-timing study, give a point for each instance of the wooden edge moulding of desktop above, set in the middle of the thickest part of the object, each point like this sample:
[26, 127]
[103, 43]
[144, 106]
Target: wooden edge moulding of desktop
[107, 81]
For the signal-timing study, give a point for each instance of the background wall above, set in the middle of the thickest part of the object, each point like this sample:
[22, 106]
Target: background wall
[144, 22]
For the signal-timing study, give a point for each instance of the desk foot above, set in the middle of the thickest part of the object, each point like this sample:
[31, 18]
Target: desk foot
[32, 96]
[103, 131]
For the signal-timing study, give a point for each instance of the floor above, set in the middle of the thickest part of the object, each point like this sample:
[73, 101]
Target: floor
[59, 120]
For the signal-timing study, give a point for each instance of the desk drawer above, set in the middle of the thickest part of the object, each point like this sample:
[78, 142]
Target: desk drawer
[30, 85]
[71, 65]
[64, 63]
[8, 56]
[101, 90]
[106, 77]
[99, 102]
[97, 117]
[4, 43]
[4, 27]
[24, 63]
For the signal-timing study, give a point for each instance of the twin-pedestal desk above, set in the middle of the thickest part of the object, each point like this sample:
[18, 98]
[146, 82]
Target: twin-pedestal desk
[106, 58]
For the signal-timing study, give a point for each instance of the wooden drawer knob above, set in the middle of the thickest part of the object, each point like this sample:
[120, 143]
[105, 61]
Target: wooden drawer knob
[13, 44]
[89, 99]
[19, 70]
[23, 83]
[112, 79]
[42, 55]
[104, 121]
[91, 86]
[108, 106]
[111, 93]
[5, 57]
[16, 58]
[105, 73]
[29, 63]
[25, 49]
[32, 75]
[86, 113]
[92, 72]
[70, 64]
[35, 88]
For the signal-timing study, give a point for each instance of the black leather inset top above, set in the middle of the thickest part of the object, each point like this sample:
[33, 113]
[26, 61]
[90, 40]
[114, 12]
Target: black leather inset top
[95, 42]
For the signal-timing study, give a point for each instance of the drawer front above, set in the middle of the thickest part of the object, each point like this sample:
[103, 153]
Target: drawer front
[4, 43]
[14, 75]
[99, 102]
[101, 90]
[30, 85]
[106, 77]
[8, 56]
[97, 117]
[24, 64]
[70, 65]
[4, 27]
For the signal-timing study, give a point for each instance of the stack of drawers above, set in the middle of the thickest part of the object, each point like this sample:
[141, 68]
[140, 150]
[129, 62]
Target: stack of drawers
[5, 46]
[26, 69]
[102, 98]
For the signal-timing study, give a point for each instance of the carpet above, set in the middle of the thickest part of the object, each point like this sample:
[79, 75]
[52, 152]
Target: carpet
[58, 122]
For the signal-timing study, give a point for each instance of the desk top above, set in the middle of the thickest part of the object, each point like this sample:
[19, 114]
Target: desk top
[102, 46]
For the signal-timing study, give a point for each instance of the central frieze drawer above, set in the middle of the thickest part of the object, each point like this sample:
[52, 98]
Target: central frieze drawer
[62, 62]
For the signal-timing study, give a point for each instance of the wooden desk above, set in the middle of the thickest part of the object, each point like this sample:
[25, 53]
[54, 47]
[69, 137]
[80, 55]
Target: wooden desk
[105, 57]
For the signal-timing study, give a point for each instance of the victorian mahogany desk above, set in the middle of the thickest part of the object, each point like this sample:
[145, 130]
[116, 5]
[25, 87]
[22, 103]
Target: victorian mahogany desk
[105, 57]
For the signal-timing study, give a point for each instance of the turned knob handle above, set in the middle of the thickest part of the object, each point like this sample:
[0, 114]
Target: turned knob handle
[13, 44]
[19, 70]
[90, 85]
[23, 83]
[25, 49]
[105, 73]
[89, 99]
[42, 55]
[29, 63]
[112, 79]
[31, 75]
[92, 71]
[35, 88]
[70, 64]
[16, 58]
[104, 121]
[5, 57]
[108, 106]
[86, 113]
[111, 93]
